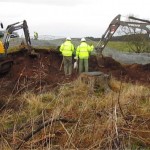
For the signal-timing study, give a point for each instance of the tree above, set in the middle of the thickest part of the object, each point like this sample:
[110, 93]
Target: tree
[137, 39]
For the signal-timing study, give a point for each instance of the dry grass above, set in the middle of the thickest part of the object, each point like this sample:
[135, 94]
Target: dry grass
[112, 120]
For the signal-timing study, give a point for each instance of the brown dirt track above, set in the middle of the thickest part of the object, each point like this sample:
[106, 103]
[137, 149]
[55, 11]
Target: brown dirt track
[43, 73]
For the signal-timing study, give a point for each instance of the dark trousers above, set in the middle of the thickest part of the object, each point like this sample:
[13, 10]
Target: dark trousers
[83, 65]
[67, 65]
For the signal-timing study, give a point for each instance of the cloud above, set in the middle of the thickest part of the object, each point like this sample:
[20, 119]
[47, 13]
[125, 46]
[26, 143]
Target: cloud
[69, 17]
[51, 2]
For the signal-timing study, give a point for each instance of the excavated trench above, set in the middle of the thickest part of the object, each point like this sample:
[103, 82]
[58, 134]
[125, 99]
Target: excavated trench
[43, 73]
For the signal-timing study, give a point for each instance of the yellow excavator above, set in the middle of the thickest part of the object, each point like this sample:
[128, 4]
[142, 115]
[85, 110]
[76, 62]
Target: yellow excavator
[5, 62]
[1, 44]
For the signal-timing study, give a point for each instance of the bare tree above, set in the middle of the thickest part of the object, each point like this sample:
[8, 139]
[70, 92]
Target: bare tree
[137, 39]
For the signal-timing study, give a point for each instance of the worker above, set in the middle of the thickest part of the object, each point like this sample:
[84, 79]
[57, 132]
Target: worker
[83, 51]
[67, 49]
[35, 36]
[2, 50]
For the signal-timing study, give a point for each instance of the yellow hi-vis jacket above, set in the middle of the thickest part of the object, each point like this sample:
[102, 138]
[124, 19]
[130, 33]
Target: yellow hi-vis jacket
[83, 50]
[35, 35]
[67, 48]
[2, 50]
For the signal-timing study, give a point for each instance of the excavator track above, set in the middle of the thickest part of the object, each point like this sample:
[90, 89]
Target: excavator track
[5, 66]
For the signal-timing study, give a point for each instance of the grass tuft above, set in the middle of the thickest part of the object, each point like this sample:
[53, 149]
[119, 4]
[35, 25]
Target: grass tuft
[117, 119]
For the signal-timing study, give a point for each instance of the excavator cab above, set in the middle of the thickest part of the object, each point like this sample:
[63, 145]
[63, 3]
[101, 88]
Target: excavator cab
[5, 62]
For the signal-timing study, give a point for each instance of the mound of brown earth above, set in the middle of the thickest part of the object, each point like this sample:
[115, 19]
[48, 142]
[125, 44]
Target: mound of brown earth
[128, 73]
[43, 73]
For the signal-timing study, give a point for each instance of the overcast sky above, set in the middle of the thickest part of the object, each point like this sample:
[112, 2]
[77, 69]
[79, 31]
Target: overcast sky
[75, 18]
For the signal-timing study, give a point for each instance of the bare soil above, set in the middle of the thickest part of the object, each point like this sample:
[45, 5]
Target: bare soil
[43, 73]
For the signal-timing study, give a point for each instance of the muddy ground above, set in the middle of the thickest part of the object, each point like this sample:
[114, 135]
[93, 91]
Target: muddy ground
[43, 73]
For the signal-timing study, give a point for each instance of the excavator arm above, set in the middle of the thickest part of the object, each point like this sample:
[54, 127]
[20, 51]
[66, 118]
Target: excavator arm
[13, 27]
[113, 26]
[1, 24]
[6, 63]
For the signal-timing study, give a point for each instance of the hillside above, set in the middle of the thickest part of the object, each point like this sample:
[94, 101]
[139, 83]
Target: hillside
[41, 109]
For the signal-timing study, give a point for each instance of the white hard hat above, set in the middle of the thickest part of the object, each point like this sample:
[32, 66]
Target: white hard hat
[83, 40]
[68, 38]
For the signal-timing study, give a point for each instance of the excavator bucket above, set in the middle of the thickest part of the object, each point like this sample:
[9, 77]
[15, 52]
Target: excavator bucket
[5, 66]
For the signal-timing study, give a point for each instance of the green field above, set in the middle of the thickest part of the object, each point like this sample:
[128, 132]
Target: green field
[121, 46]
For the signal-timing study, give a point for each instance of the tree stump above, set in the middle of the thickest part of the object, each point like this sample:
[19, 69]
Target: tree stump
[97, 81]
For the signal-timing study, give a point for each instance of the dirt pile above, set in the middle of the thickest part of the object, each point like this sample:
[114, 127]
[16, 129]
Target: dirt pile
[33, 111]
[128, 73]
[43, 73]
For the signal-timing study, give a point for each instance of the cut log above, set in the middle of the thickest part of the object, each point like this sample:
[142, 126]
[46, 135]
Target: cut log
[97, 81]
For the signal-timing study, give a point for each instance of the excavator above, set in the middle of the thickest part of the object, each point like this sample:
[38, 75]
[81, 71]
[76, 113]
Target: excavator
[113, 26]
[1, 24]
[5, 62]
